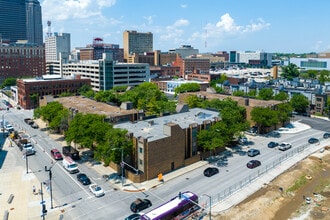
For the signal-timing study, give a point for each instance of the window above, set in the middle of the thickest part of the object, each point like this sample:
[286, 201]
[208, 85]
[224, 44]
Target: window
[140, 150]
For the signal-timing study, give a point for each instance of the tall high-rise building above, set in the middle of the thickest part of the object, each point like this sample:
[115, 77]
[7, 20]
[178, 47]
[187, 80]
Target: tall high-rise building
[12, 20]
[58, 47]
[135, 42]
[34, 22]
[20, 20]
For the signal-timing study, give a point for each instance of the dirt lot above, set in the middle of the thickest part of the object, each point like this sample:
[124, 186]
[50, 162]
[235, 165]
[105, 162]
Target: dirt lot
[285, 197]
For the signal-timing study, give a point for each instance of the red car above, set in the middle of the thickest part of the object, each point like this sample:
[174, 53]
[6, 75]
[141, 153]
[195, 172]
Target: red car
[253, 163]
[56, 154]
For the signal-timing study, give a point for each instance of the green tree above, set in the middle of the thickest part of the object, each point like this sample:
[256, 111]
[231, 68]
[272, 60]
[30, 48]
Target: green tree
[116, 140]
[252, 93]
[187, 87]
[232, 123]
[10, 81]
[86, 130]
[266, 94]
[299, 103]
[312, 74]
[281, 96]
[289, 72]
[324, 76]
[238, 93]
[284, 111]
[142, 94]
[193, 101]
[264, 117]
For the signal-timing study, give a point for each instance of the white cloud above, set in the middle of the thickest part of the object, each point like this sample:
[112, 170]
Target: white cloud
[184, 6]
[174, 32]
[181, 22]
[149, 19]
[73, 9]
[227, 24]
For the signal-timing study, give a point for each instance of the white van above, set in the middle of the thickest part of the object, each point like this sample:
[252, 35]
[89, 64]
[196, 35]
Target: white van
[70, 165]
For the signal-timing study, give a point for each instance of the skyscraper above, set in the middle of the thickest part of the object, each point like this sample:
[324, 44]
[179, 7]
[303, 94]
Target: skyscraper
[20, 20]
[34, 22]
[12, 20]
[135, 42]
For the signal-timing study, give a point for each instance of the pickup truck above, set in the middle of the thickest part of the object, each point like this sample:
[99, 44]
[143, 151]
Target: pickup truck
[70, 152]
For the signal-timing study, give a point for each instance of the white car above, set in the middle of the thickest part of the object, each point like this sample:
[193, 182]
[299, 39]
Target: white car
[284, 146]
[96, 190]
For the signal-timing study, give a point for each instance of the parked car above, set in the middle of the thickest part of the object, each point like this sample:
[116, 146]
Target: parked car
[96, 190]
[243, 140]
[272, 144]
[253, 164]
[134, 216]
[313, 140]
[56, 154]
[284, 146]
[210, 171]
[139, 205]
[34, 125]
[71, 152]
[253, 152]
[83, 178]
[326, 135]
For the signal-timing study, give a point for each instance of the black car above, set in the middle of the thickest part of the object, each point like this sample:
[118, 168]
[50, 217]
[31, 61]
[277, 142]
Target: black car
[253, 164]
[326, 135]
[139, 205]
[134, 216]
[313, 140]
[83, 178]
[210, 171]
[272, 144]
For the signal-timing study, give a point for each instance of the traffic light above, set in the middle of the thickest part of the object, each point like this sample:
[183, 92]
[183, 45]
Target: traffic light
[44, 210]
[180, 195]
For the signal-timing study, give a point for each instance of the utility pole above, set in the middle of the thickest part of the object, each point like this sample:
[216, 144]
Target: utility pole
[43, 205]
[26, 162]
[50, 185]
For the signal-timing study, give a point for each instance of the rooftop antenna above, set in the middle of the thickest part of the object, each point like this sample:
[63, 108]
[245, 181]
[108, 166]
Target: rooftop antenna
[49, 32]
[206, 35]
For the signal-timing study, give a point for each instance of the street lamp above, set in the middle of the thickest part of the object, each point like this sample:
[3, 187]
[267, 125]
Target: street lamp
[50, 184]
[209, 204]
[121, 164]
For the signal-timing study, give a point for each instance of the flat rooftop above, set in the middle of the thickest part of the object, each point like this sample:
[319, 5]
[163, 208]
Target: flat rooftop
[152, 129]
[86, 105]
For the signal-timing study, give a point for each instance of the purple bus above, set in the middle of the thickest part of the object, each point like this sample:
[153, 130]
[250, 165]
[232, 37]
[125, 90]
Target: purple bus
[179, 207]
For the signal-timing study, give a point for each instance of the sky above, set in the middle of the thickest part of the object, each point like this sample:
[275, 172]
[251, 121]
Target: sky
[284, 26]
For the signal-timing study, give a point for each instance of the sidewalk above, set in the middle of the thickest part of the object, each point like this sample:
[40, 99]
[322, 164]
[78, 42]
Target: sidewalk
[15, 181]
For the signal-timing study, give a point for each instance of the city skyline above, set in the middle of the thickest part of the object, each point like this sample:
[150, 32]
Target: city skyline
[210, 26]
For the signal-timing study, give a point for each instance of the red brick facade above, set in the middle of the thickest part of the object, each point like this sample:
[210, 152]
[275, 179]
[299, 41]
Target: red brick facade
[40, 88]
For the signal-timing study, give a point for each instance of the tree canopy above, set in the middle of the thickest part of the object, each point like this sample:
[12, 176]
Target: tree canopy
[289, 72]
[187, 87]
[264, 117]
[10, 81]
[266, 94]
[299, 103]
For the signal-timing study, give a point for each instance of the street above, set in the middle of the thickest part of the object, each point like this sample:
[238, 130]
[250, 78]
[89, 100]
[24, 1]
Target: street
[77, 202]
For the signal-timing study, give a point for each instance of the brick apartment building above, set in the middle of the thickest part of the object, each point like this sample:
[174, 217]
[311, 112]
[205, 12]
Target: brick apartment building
[31, 90]
[21, 60]
[192, 65]
[166, 143]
